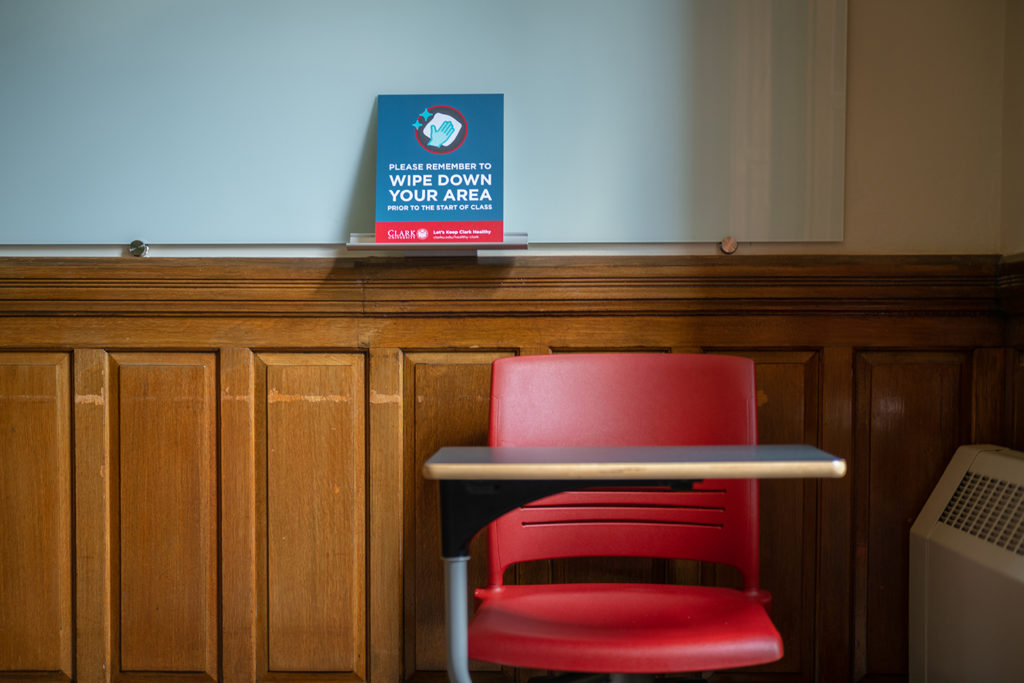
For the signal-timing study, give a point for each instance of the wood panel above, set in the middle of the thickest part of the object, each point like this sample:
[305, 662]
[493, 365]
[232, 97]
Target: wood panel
[1011, 290]
[311, 528]
[35, 516]
[603, 286]
[788, 400]
[990, 395]
[1016, 439]
[833, 642]
[93, 536]
[238, 515]
[913, 410]
[386, 491]
[447, 401]
[165, 549]
[889, 362]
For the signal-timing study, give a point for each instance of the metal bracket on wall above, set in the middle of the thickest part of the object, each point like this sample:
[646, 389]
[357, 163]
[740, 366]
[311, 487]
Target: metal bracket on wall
[138, 248]
[361, 241]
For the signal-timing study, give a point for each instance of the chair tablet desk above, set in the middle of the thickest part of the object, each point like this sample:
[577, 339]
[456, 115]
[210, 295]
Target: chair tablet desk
[479, 484]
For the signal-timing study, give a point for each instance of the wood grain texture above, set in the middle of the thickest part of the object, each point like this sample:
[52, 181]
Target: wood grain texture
[166, 604]
[311, 525]
[841, 344]
[238, 517]
[447, 402]
[93, 478]
[991, 395]
[633, 463]
[746, 285]
[35, 515]
[1016, 439]
[788, 395]
[833, 642]
[913, 410]
[386, 492]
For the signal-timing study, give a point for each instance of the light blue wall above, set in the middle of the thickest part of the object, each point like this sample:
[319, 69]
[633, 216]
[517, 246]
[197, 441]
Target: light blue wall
[252, 121]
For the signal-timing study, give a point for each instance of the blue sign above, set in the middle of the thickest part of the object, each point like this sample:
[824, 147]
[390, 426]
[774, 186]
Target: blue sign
[439, 168]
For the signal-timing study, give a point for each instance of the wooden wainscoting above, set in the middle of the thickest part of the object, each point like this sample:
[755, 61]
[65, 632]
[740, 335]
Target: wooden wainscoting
[210, 469]
[36, 552]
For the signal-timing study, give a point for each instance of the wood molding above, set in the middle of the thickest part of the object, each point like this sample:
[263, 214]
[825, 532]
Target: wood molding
[523, 286]
[1011, 296]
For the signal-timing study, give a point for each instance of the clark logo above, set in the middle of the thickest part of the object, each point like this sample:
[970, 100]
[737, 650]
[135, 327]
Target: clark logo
[440, 129]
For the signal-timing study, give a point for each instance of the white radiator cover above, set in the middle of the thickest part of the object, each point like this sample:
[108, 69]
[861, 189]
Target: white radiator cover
[967, 572]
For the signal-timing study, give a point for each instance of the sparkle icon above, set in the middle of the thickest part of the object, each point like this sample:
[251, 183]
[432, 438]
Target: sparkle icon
[421, 119]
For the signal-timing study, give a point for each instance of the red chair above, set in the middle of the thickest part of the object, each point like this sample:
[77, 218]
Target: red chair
[626, 399]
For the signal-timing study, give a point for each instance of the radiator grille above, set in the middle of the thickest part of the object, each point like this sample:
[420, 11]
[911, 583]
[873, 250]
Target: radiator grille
[989, 508]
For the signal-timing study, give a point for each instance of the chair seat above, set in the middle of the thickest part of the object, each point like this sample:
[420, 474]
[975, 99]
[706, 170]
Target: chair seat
[624, 628]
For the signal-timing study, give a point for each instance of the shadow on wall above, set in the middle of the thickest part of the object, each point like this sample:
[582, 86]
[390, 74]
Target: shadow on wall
[360, 208]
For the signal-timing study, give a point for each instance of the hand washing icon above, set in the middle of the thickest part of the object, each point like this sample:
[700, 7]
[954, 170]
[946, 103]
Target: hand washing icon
[442, 135]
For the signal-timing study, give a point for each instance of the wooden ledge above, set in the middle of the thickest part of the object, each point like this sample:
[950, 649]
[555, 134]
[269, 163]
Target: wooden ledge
[697, 285]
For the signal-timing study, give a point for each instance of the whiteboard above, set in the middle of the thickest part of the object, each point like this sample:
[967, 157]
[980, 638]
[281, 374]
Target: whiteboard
[253, 121]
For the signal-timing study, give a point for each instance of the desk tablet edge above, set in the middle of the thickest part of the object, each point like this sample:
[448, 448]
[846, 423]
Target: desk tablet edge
[826, 469]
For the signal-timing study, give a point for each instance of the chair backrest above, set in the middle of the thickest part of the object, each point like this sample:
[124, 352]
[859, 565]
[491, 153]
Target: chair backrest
[623, 399]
